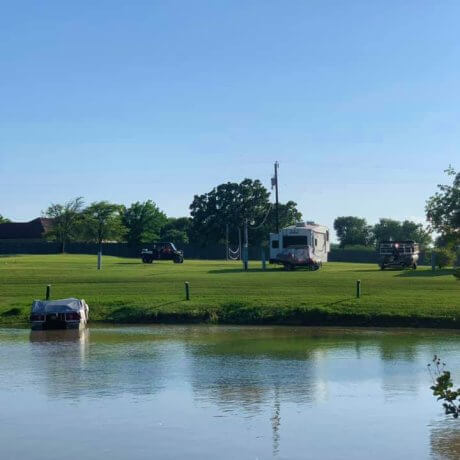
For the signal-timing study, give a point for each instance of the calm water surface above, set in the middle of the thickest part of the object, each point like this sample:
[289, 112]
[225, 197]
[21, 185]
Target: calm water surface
[199, 392]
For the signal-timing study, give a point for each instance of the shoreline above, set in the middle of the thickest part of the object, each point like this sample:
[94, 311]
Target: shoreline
[257, 316]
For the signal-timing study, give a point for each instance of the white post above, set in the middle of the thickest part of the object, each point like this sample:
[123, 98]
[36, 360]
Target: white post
[246, 248]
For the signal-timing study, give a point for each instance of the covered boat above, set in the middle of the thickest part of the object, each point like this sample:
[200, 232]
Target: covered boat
[59, 314]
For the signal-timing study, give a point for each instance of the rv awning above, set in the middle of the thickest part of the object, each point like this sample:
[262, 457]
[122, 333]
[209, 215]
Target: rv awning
[56, 306]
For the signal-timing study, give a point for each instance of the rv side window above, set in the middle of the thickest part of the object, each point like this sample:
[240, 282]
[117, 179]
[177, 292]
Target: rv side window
[275, 244]
[295, 240]
[316, 242]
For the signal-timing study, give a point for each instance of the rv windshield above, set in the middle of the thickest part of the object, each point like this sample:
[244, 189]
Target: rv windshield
[295, 241]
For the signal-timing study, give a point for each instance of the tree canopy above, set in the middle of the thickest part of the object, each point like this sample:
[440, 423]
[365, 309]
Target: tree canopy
[229, 205]
[352, 230]
[3, 220]
[389, 229]
[102, 222]
[66, 219]
[144, 222]
[176, 230]
[443, 209]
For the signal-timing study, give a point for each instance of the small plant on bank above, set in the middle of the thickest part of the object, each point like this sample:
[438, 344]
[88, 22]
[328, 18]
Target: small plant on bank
[442, 387]
[457, 273]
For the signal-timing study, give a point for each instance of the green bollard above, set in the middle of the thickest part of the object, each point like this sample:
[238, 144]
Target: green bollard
[48, 292]
[187, 290]
[358, 289]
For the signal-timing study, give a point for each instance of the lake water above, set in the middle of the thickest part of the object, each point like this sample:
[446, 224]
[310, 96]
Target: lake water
[214, 392]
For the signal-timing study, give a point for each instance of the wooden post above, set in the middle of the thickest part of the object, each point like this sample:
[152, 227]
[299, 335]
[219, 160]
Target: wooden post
[358, 289]
[187, 290]
[264, 262]
[99, 260]
[48, 292]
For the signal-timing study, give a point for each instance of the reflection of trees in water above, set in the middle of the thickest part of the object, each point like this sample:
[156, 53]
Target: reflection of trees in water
[247, 384]
[404, 358]
[445, 440]
[74, 365]
[243, 367]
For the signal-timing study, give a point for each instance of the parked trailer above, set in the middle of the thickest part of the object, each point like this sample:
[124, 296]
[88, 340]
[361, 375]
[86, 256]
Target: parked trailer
[304, 244]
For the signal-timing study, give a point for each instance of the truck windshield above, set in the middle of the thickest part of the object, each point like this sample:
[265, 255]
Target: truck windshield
[295, 241]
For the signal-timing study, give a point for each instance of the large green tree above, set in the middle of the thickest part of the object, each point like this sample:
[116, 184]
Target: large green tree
[176, 230]
[352, 230]
[144, 222]
[229, 205]
[288, 215]
[443, 209]
[102, 221]
[66, 220]
[389, 229]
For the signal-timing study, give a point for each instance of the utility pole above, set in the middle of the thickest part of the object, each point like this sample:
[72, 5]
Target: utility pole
[276, 198]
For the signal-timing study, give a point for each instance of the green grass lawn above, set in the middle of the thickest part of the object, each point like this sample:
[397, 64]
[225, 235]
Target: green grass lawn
[126, 290]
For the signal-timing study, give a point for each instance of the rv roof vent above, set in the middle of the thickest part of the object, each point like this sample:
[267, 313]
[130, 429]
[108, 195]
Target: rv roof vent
[310, 222]
[300, 224]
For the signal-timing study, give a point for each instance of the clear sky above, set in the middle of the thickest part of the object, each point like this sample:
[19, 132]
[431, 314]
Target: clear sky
[359, 101]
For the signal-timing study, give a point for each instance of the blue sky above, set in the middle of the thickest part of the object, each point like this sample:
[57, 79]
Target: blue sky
[359, 102]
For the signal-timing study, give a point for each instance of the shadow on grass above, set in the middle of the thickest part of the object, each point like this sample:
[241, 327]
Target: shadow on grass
[240, 270]
[371, 270]
[11, 312]
[427, 273]
[129, 314]
[258, 270]
[337, 302]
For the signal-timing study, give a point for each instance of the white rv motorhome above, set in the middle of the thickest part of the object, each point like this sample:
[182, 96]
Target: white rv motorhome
[303, 244]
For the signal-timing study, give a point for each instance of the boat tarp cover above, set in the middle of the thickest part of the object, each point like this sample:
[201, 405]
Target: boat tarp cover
[56, 306]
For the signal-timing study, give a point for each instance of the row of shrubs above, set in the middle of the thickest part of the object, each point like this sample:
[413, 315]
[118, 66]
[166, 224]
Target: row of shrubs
[443, 257]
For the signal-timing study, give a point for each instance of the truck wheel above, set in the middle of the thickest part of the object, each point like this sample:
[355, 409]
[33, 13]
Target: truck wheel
[382, 267]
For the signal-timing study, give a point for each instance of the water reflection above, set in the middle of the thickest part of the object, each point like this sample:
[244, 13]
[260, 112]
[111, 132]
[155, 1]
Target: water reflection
[72, 365]
[279, 391]
[445, 440]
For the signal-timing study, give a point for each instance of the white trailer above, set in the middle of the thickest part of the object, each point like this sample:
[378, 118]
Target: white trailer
[303, 244]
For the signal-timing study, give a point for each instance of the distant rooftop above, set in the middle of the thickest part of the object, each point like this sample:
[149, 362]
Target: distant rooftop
[35, 229]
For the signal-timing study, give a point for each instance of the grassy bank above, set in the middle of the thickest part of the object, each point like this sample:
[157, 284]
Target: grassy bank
[126, 290]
